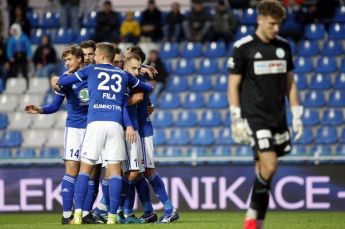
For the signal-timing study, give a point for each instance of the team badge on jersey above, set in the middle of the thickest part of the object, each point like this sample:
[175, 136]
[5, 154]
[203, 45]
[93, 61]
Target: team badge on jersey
[280, 53]
[84, 95]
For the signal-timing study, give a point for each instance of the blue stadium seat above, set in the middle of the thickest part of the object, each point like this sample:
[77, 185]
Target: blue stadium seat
[194, 100]
[326, 65]
[210, 118]
[326, 135]
[314, 99]
[90, 20]
[340, 150]
[2, 85]
[217, 100]
[50, 20]
[169, 100]
[293, 48]
[227, 119]
[201, 83]
[342, 66]
[224, 137]
[337, 98]
[332, 48]
[224, 67]
[221, 151]
[191, 50]
[298, 150]
[310, 117]
[173, 152]
[340, 81]
[333, 117]
[221, 83]
[199, 151]
[83, 35]
[169, 50]
[179, 137]
[215, 49]
[320, 81]
[11, 138]
[186, 118]
[244, 151]
[64, 36]
[321, 150]
[37, 34]
[289, 117]
[26, 153]
[162, 119]
[185, 67]
[243, 31]
[33, 19]
[303, 65]
[308, 48]
[307, 137]
[159, 137]
[3, 121]
[5, 153]
[339, 15]
[301, 80]
[168, 66]
[208, 66]
[249, 16]
[177, 84]
[336, 31]
[50, 153]
[203, 137]
[314, 31]
[342, 136]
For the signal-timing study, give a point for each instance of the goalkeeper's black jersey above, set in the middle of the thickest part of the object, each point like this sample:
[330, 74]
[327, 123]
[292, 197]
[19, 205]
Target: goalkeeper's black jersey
[263, 67]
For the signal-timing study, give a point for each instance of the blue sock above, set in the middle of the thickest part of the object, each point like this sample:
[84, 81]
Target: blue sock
[115, 185]
[81, 186]
[159, 188]
[105, 189]
[88, 202]
[144, 194]
[67, 192]
[130, 198]
[124, 192]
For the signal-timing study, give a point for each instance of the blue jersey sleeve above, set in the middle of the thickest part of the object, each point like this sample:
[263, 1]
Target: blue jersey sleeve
[79, 75]
[136, 83]
[126, 120]
[54, 106]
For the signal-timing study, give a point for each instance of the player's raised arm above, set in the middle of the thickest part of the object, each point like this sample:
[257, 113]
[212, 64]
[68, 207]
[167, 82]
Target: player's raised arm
[78, 76]
[47, 109]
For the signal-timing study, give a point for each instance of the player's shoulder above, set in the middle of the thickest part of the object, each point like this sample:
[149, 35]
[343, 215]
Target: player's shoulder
[282, 41]
[243, 41]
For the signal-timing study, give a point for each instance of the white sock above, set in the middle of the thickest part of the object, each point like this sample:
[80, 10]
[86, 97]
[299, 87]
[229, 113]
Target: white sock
[66, 214]
[251, 213]
[85, 213]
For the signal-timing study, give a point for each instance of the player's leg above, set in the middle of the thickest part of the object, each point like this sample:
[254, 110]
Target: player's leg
[101, 211]
[170, 214]
[73, 140]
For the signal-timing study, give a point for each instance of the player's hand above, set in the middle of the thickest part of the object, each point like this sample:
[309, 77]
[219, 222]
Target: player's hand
[131, 136]
[240, 129]
[297, 125]
[151, 71]
[32, 109]
[150, 109]
[54, 82]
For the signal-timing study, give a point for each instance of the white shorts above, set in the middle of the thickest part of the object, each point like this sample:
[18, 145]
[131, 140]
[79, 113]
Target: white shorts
[105, 140]
[148, 152]
[134, 160]
[73, 142]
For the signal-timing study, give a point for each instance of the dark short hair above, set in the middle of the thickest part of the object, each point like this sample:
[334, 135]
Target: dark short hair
[117, 50]
[137, 50]
[74, 50]
[107, 2]
[107, 50]
[88, 44]
[271, 8]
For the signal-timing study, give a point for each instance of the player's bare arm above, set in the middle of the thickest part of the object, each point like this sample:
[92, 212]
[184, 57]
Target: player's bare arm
[296, 109]
[150, 109]
[136, 98]
[131, 136]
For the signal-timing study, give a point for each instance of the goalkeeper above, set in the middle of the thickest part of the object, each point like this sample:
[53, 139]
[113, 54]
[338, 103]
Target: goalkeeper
[260, 79]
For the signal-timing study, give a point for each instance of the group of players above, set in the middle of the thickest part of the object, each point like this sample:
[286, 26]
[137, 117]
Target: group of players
[108, 124]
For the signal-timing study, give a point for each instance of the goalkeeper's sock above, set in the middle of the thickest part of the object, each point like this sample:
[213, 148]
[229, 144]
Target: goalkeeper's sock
[88, 202]
[67, 192]
[260, 197]
[159, 188]
[81, 190]
[144, 194]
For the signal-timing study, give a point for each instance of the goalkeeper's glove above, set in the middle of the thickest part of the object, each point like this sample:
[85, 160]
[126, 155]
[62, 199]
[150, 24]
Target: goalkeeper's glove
[240, 130]
[297, 125]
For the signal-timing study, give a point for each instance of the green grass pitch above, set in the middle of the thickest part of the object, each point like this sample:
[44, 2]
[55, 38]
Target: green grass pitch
[195, 220]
